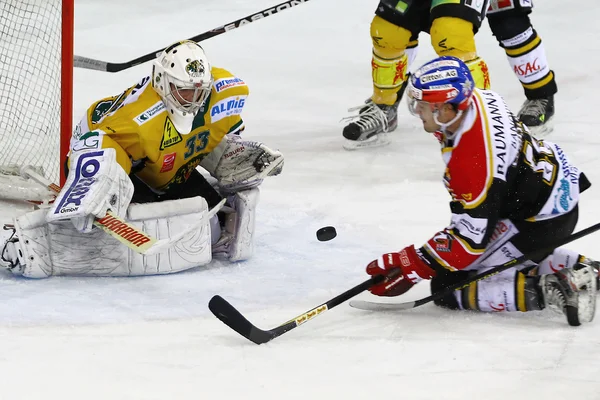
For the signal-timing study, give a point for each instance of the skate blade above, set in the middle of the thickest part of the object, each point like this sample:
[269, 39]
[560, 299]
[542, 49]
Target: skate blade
[379, 140]
[587, 299]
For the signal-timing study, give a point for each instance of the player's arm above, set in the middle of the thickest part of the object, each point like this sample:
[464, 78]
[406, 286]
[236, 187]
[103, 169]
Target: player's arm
[475, 212]
[466, 238]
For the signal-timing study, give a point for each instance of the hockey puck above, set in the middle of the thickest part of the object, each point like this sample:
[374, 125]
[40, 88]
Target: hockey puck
[326, 233]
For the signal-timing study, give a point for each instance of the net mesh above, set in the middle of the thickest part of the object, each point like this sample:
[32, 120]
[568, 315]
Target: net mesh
[30, 90]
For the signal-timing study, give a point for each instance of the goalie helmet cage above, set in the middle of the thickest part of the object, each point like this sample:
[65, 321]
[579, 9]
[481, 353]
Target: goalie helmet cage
[36, 83]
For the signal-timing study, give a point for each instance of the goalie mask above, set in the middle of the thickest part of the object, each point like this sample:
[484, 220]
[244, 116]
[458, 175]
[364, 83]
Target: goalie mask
[182, 78]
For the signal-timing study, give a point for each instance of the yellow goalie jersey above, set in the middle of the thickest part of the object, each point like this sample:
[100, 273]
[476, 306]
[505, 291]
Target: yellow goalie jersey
[137, 125]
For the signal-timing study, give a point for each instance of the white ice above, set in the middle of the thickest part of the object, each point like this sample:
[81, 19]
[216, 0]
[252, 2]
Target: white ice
[154, 337]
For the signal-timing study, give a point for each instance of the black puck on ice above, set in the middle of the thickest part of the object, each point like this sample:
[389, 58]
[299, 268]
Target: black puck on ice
[326, 233]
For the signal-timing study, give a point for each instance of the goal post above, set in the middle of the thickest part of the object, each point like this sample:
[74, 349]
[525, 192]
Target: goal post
[36, 83]
[66, 110]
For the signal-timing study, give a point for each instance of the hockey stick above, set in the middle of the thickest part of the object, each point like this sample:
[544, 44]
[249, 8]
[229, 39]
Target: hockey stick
[236, 321]
[90, 63]
[123, 231]
[374, 306]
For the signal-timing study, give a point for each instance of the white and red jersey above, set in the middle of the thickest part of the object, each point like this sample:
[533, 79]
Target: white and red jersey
[495, 170]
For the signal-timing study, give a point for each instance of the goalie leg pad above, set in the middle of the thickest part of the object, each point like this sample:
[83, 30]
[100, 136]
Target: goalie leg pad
[44, 250]
[237, 238]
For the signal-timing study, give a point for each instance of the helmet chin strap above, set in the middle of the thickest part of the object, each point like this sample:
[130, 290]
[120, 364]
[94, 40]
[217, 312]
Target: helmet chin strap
[444, 126]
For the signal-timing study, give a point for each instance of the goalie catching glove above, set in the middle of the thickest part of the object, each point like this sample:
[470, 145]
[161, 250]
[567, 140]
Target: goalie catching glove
[402, 271]
[240, 164]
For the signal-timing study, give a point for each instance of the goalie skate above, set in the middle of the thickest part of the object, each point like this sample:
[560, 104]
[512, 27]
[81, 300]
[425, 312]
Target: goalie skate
[537, 115]
[571, 292]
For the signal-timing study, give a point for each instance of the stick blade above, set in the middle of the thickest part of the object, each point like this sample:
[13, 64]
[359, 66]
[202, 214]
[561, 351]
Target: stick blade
[372, 306]
[236, 321]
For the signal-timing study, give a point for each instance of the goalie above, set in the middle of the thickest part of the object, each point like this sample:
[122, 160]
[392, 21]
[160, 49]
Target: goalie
[135, 155]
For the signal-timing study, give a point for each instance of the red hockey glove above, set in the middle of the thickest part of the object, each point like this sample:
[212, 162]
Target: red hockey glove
[402, 271]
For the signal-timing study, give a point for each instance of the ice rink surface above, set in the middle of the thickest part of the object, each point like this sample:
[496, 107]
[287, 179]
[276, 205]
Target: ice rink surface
[154, 337]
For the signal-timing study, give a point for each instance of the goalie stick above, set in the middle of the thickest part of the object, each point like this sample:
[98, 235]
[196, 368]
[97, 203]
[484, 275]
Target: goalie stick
[123, 231]
[90, 63]
[376, 306]
[236, 321]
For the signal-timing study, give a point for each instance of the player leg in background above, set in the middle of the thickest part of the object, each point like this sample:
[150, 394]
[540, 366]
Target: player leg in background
[510, 23]
[394, 33]
[452, 31]
[555, 280]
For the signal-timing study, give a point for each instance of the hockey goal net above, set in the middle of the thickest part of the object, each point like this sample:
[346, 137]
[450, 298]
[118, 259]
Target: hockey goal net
[36, 76]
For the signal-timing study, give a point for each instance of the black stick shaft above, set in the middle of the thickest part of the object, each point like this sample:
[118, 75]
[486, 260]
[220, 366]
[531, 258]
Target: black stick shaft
[231, 317]
[337, 300]
[90, 63]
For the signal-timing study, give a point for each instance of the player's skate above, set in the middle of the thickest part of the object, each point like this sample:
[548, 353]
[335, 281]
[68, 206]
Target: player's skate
[537, 115]
[571, 291]
[370, 127]
[596, 266]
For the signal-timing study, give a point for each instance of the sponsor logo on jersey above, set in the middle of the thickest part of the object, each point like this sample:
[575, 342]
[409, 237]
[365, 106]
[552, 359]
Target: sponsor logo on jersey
[443, 242]
[228, 83]
[170, 135]
[150, 113]
[84, 171]
[88, 141]
[499, 230]
[168, 162]
[100, 110]
[563, 197]
[227, 107]
[507, 251]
